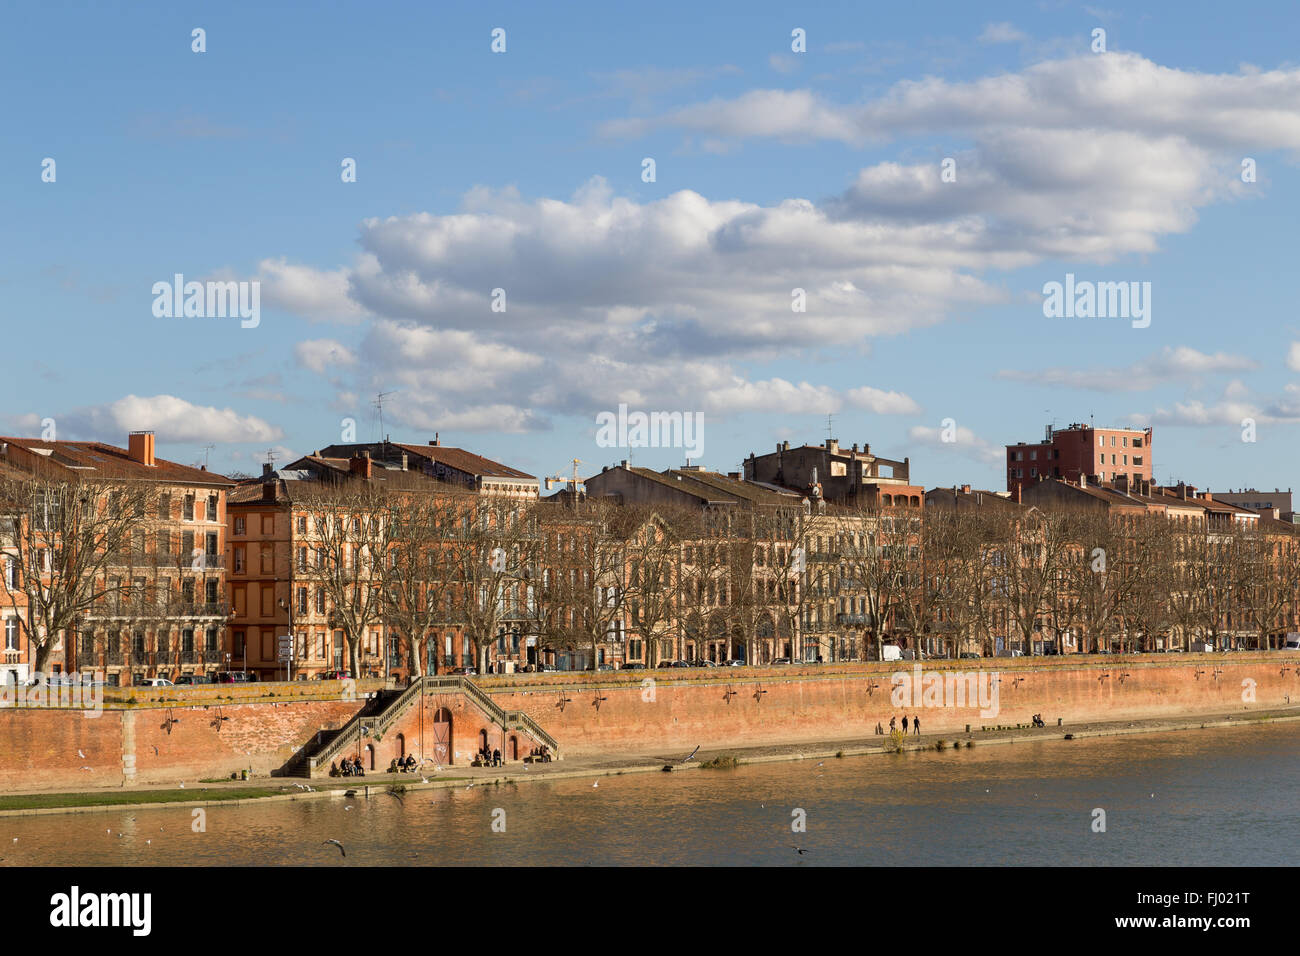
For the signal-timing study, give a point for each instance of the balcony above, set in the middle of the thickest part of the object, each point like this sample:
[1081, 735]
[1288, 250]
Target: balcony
[854, 620]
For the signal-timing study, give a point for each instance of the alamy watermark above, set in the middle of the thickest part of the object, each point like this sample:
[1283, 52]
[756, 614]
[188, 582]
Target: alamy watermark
[624, 429]
[946, 689]
[59, 691]
[1098, 300]
[209, 300]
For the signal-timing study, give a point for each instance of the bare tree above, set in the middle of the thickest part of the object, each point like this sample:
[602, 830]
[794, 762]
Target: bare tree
[349, 535]
[60, 540]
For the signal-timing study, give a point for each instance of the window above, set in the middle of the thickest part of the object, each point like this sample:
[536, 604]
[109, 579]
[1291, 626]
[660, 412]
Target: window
[212, 508]
[210, 546]
[302, 524]
[188, 513]
[320, 600]
[239, 560]
[11, 634]
[164, 507]
[240, 525]
[137, 645]
[210, 640]
[302, 559]
[302, 600]
[1033, 455]
[187, 640]
[1125, 459]
[211, 591]
[1124, 442]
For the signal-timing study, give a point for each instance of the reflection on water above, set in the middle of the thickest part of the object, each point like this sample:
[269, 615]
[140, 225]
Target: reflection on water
[1191, 798]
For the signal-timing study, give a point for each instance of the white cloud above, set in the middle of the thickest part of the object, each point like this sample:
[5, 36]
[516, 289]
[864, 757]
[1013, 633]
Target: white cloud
[1001, 33]
[966, 443]
[316, 355]
[172, 419]
[1171, 364]
[1293, 357]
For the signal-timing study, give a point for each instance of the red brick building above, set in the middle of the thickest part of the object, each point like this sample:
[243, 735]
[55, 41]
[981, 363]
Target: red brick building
[1100, 454]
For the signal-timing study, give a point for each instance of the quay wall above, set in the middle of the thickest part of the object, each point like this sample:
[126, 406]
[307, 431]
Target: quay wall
[162, 740]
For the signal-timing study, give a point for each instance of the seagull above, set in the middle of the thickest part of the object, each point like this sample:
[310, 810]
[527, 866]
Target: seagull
[692, 753]
[182, 786]
[336, 843]
[85, 768]
[424, 780]
[822, 764]
[149, 842]
[81, 755]
[347, 808]
[596, 784]
[798, 849]
[396, 796]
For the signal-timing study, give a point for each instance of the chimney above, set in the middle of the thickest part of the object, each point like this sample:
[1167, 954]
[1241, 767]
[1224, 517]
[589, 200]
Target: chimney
[435, 441]
[965, 489]
[735, 475]
[361, 465]
[1121, 483]
[140, 448]
[268, 491]
[404, 461]
[785, 446]
[266, 471]
[1018, 501]
[623, 463]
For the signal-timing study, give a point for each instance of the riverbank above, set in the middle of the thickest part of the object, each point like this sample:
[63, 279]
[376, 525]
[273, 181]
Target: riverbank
[263, 790]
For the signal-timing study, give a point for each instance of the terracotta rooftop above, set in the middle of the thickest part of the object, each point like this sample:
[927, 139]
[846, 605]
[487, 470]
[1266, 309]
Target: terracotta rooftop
[97, 460]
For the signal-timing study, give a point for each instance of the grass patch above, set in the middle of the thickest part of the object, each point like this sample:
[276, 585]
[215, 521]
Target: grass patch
[721, 762]
[38, 801]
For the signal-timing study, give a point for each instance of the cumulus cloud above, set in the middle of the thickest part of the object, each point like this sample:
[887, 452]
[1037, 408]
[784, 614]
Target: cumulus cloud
[173, 419]
[964, 442]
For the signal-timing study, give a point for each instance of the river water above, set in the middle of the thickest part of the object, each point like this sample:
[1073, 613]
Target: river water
[1211, 797]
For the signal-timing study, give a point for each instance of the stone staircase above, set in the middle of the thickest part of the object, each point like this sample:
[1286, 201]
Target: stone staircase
[383, 710]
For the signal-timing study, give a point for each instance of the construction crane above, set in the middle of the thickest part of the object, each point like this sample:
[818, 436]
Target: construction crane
[572, 481]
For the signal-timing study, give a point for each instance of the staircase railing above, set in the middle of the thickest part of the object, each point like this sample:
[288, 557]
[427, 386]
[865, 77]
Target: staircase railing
[351, 732]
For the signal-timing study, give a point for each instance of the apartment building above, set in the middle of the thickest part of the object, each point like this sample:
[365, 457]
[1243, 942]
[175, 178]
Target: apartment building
[161, 605]
[1100, 454]
[844, 476]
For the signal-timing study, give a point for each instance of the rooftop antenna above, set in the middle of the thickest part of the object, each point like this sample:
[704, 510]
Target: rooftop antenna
[830, 427]
[270, 456]
[379, 404]
[206, 450]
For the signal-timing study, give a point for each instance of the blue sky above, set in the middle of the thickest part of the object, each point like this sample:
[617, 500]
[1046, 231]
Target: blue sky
[774, 170]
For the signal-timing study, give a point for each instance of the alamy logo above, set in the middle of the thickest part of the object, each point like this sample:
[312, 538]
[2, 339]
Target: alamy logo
[74, 909]
[58, 691]
[1098, 300]
[946, 689]
[626, 429]
[208, 300]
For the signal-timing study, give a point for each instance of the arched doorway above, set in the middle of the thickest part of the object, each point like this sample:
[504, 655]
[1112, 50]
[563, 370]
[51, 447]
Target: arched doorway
[401, 746]
[766, 633]
[442, 737]
[483, 739]
[514, 747]
[368, 757]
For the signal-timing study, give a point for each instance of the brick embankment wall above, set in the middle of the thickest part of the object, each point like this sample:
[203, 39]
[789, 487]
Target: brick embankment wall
[77, 750]
[782, 705]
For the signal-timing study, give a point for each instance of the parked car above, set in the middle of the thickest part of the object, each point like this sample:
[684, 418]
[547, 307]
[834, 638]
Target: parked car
[969, 656]
[674, 664]
[705, 664]
[735, 663]
[231, 677]
[781, 660]
[632, 666]
[605, 667]
[190, 680]
[157, 682]
[332, 675]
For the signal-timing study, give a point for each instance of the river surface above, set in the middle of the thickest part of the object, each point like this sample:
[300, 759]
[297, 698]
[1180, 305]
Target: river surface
[1211, 797]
